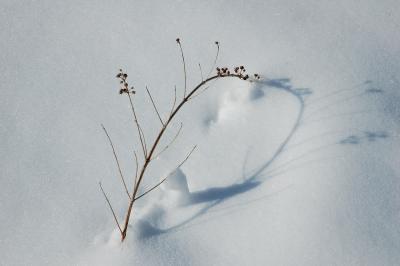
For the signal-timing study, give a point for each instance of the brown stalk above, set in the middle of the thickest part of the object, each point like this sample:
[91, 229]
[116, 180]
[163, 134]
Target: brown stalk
[156, 142]
[149, 154]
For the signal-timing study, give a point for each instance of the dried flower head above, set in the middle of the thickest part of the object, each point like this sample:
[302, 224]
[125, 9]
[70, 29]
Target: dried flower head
[124, 83]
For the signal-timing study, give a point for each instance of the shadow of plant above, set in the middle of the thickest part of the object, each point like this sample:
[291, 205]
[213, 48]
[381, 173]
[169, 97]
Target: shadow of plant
[369, 136]
[216, 195]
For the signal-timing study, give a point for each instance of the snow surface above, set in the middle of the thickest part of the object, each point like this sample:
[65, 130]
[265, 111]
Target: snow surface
[299, 169]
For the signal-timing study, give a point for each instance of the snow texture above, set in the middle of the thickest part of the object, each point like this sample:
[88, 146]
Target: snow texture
[301, 168]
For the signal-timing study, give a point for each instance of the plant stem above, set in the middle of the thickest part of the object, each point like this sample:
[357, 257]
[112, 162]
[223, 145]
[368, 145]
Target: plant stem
[148, 156]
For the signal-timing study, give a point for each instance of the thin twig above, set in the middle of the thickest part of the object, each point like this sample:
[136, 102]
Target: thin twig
[215, 60]
[173, 105]
[111, 208]
[184, 68]
[154, 105]
[170, 143]
[201, 72]
[144, 140]
[154, 187]
[137, 126]
[198, 94]
[165, 178]
[187, 157]
[137, 167]
[117, 161]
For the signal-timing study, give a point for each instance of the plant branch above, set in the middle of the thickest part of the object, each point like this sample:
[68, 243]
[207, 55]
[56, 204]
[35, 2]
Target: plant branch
[184, 66]
[201, 72]
[141, 137]
[157, 140]
[170, 143]
[173, 105]
[149, 154]
[154, 105]
[136, 169]
[165, 178]
[117, 161]
[198, 94]
[111, 208]
[144, 139]
[215, 60]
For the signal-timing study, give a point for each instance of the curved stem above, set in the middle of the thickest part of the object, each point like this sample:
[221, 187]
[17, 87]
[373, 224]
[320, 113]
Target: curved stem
[149, 155]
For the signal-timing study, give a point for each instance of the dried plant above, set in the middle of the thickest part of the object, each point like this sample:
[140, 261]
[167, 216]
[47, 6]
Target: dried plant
[149, 152]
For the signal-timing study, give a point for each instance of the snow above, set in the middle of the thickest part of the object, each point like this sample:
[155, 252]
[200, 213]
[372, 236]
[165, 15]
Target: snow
[300, 168]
